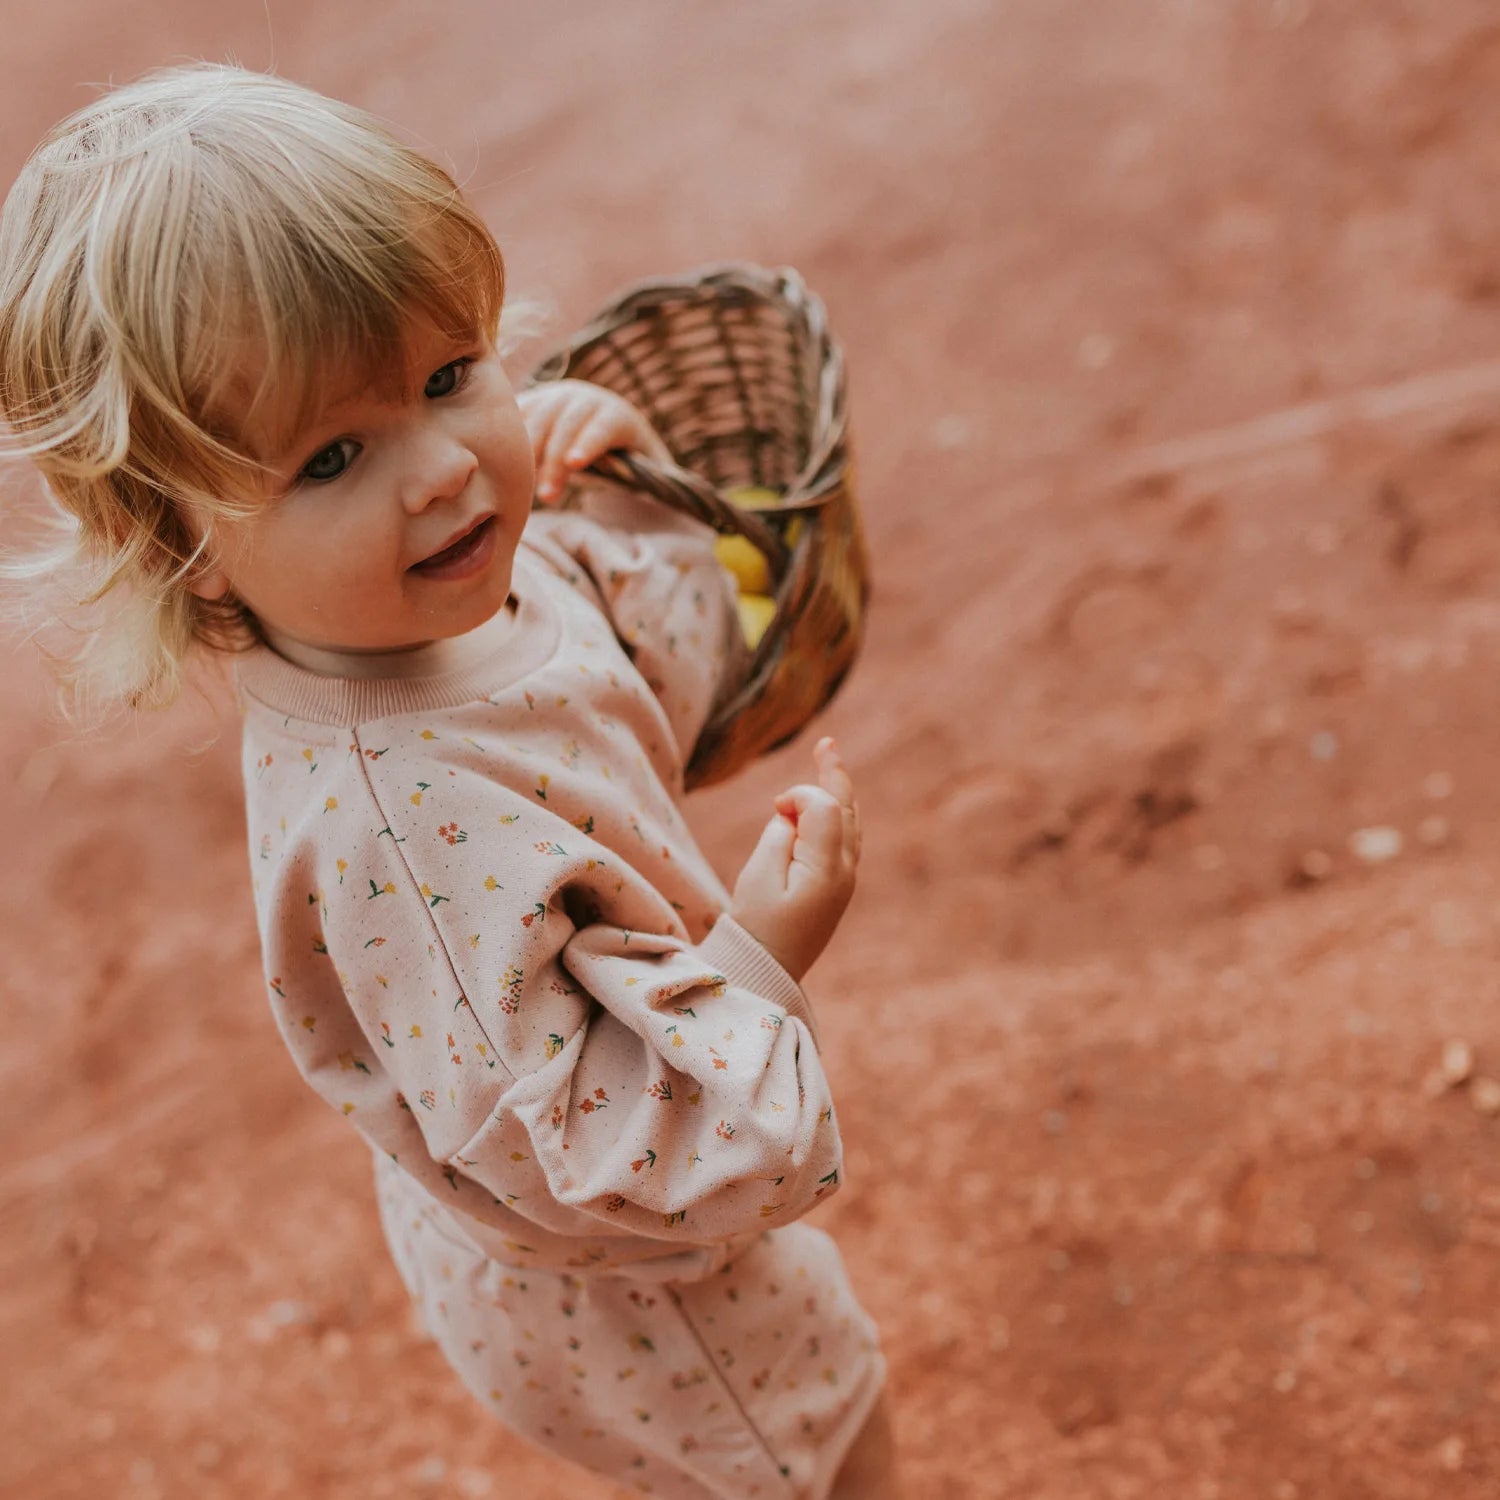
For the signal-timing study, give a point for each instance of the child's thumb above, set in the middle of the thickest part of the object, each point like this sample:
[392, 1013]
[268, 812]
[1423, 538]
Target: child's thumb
[773, 850]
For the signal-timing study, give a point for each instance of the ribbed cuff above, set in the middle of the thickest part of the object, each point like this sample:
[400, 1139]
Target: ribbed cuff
[749, 965]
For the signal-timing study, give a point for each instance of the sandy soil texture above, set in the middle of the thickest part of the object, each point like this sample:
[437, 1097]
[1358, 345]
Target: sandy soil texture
[1165, 1021]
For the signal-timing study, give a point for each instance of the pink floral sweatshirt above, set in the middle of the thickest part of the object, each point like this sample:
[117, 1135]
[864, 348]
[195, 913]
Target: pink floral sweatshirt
[492, 943]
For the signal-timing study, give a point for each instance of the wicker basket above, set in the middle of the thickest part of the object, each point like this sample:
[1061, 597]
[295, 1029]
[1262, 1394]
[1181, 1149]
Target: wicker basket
[736, 369]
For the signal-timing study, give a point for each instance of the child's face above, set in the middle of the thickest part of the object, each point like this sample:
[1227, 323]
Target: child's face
[391, 521]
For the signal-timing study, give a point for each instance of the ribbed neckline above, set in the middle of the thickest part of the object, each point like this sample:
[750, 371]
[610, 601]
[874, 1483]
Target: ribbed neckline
[297, 693]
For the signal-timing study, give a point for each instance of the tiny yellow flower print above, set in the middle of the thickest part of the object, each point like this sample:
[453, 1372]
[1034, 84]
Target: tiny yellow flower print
[382, 981]
[348, 1108]
[542, 783]
[519, 1156]
[473, 939]
[331, 805]
[309, 756]
[509, 817]
[342, 864]
[388, 889]
[427, 734]
[584, 823]
[767, 1209]
[491, 884]
[415, 1032]
[554, 1044]
[416, 796]
[310, 1023]
[696, 1097]
[430, 898]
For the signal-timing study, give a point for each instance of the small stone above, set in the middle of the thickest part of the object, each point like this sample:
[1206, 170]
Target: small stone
[1437, 785]
[1324, 745]
[430, 1472]
[1434, 832]
[1375, 845]
[1095, 351]
[1458, 1060]
[1484, 1095]
[1450, 1453]
[950, 432]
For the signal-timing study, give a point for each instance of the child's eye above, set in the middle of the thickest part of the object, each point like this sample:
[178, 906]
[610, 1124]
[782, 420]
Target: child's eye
[447, 380]
[328, 463]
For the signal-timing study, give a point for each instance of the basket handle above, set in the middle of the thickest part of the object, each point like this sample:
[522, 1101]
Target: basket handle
[694, 496]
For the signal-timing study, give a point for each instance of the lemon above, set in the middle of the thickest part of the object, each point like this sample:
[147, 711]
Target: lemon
[752, 496]
[746, 561]
[756, 614]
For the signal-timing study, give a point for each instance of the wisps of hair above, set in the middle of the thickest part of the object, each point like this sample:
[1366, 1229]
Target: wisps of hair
[200, 223]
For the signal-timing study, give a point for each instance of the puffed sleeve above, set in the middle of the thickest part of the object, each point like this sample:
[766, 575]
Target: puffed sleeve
[527, 1013]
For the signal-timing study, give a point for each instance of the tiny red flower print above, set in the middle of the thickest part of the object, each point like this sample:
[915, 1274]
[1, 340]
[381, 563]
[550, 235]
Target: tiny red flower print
[275, 984]
[771, 1023]
[600, 1100]
[262, 765]
[453, 1051]
[265, 846]
[427, 1099]
[614, 1203]
[375, 942]
[557, 1117]
[724, 1130]
[718, 1057]
[661, 1090]
[546, 846]
[530, 700]
[648, 1160]
[451, 833]
[538, 913]
[511, 982]
[385, 1033]
[376, 754]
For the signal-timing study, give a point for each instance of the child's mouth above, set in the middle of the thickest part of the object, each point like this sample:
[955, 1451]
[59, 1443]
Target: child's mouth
[470, 554]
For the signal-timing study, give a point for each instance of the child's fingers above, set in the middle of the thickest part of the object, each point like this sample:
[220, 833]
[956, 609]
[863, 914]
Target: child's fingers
[836, 780]
[774, 847]
[818, 818]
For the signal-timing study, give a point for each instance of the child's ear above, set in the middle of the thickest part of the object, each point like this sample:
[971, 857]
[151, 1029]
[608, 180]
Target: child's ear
[210, 583]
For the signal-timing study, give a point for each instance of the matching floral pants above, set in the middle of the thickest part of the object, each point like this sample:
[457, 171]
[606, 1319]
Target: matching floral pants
[752, 1382]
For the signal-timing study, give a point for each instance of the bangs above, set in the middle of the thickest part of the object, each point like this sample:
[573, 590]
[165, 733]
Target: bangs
[317, 317]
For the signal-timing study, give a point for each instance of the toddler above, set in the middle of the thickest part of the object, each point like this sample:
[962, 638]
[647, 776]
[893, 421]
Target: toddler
[250, 340]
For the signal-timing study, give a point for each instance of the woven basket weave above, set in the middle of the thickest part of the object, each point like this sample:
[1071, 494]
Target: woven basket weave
[736, 369]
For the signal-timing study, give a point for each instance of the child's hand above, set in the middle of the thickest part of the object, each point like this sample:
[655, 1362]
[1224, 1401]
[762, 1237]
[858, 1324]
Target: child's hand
[572, 423]
[799, 879]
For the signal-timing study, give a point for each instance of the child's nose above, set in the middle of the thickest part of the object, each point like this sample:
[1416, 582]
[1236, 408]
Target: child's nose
[441, 468]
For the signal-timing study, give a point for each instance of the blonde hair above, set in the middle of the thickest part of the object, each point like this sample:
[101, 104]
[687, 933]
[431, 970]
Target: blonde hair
[154, 239]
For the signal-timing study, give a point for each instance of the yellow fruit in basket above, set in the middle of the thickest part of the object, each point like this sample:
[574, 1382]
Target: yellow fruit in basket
[758, 497]
[756, 614]
[752, 496]
[746, 561]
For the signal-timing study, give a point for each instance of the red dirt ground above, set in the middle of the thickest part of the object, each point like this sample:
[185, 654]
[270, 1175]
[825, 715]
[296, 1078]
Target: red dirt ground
[1173, 330]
